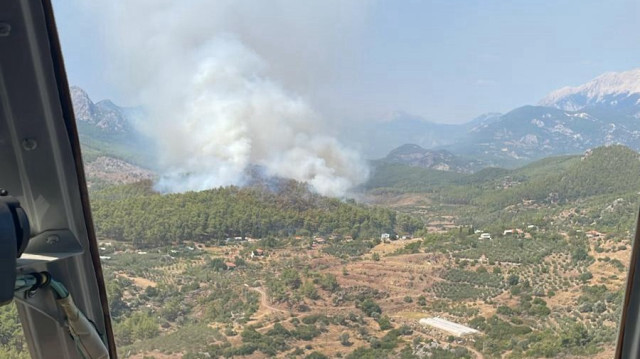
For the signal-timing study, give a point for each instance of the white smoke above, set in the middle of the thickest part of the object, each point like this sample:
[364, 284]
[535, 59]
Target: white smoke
[215, 107]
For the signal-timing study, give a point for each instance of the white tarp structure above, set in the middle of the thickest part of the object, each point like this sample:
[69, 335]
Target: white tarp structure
[452, 328]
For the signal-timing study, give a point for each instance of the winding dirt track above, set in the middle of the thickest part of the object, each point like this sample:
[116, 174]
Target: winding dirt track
[264, 301]
[477, 353]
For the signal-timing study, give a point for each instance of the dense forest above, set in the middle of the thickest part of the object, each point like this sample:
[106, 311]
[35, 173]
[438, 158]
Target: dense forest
[137, 214]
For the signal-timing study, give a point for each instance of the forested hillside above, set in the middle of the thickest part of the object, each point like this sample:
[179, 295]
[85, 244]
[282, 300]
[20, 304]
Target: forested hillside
[404, 178]
[137, 214]
[600, 186]
[604, 170]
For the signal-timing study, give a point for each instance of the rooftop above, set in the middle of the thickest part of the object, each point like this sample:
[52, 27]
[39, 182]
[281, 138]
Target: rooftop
[452, 328]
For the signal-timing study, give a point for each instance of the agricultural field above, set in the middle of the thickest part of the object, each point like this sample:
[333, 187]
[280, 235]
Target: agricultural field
[541, 297]
[254, 272]
[541, 293]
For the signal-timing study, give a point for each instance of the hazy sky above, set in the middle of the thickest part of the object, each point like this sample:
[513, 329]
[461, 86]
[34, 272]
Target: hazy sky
[447, 61]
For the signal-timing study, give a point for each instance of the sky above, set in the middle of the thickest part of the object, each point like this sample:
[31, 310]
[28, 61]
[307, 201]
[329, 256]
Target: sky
[446, 61]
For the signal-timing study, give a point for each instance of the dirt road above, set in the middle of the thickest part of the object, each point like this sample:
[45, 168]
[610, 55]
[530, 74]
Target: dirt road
[264, 301]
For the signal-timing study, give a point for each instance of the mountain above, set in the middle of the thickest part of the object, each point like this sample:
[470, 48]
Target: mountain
[483, 120]
[603, 111]
[107, 130]
[618, 91]
[104, 114]
[532, 132]
[443, 160]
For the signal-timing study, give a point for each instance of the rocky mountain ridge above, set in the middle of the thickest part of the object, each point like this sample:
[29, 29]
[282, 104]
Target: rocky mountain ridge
[104, 114]
[617, 90]
[603, 111]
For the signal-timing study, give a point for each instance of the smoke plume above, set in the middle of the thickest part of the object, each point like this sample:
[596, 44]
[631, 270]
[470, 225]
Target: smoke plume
[212, 76]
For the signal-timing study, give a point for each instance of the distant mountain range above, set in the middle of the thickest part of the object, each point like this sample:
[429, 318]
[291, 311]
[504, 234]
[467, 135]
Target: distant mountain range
[619, 91]
[378, 138]
[570, 120]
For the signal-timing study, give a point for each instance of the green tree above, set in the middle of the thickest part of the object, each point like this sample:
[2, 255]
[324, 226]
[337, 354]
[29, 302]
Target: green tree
[370, 307]
[291, 278]
[385, 323]
[329, 282]
[309, 290]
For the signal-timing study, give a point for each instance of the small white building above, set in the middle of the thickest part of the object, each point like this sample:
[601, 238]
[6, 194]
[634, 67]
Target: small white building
[485, 236]
[257, 253]
[507, 232]
[385, 236]
[452, 328]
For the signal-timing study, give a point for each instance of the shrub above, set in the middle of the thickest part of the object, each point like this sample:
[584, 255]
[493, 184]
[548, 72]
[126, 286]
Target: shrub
[369, 307]
[504, 310]
[344, 339]
[385, 323]
[316, 355]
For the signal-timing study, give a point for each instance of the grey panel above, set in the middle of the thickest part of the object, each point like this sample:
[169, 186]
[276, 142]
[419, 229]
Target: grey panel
[629, 336]
[40, 166]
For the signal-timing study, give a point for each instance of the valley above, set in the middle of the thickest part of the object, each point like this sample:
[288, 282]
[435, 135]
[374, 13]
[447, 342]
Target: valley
[298, 299]
[321, 179]
[518, 226]
[548, 282]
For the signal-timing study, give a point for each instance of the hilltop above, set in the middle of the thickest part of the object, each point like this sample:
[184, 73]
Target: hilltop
[139, 215]
[615, 90]
[568, 174]
[594, 179]
[443, 160]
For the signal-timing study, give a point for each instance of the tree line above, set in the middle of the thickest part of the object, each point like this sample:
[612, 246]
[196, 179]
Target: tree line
[137, 214]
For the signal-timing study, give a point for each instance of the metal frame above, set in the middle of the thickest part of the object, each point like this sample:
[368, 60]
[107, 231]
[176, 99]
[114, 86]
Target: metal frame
[629, 334]
[42, 167]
